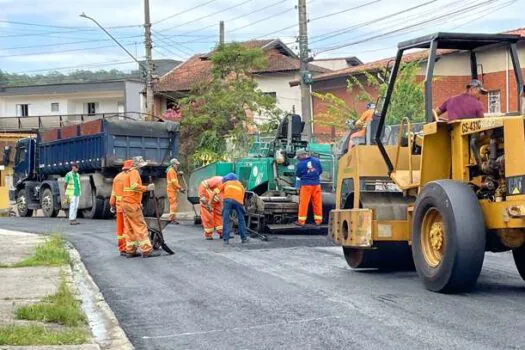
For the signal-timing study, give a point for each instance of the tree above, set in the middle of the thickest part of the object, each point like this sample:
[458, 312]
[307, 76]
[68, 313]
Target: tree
[408, 99]
[223, 107]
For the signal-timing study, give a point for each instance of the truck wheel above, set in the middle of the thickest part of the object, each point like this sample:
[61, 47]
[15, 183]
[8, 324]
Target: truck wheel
[448, 237]
[21, 204]
[48, 204]
[107, 214]
[519, 260]
[97, 210]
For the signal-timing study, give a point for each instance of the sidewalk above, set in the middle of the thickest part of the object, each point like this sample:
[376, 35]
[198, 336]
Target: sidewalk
[23, 286]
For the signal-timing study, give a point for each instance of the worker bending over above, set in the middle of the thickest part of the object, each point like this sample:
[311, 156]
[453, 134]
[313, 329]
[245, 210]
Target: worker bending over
[173, 187]
[115, 201]
[211, 206]
[465, 105]
[233, 191]
[309, 170]
[137, 234]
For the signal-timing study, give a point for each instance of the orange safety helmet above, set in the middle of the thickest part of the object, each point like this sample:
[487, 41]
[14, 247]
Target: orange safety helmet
[128, 164]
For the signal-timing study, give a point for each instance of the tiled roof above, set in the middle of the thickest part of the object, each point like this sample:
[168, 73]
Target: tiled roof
[379, 64]
[197, 69]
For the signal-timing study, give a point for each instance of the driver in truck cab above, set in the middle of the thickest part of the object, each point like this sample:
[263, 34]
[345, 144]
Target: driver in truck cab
[465, 105]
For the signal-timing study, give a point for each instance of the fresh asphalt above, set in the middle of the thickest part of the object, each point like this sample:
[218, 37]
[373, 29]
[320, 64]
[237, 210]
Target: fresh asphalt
[293, 292]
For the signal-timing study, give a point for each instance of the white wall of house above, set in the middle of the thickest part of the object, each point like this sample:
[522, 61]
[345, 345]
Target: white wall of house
[279, 83]
[75, 103]
[133, 96]
[332, 64]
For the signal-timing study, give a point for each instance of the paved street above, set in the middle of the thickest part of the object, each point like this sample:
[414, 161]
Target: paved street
[290, 293]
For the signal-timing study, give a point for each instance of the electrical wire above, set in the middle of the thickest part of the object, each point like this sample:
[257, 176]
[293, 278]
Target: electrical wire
[170, 42]
[204, 17]
[68, 43]
[184, 11]
[67, 27]
[358, 41]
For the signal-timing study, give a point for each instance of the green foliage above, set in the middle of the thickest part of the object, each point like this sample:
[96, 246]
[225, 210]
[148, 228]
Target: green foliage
[50, 253]
[61, 308]
[407, 100]
[15, 79]
[222, 109]
[39, 335]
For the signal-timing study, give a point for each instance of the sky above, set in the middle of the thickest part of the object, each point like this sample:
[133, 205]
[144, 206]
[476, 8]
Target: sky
[38, 36]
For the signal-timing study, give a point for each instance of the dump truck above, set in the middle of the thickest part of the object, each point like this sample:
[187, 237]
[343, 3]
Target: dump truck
[439, 198]
[99, 147]
[268, 174]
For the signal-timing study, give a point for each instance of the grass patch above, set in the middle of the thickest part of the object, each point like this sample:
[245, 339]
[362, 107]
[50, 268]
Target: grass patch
[61, 308]
[39, 335]
[50, 253]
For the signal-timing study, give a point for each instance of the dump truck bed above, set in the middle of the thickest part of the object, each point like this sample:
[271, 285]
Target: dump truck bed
[103, 144]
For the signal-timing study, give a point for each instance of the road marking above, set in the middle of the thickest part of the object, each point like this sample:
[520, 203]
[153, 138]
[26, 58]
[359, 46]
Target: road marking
[243, 328]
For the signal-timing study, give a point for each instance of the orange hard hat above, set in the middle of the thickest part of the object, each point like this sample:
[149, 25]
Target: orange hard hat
[128, 164]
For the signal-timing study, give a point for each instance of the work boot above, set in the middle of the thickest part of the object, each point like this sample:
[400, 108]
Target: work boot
[227, 243]
[245, 240]
[152, 254]
[123, 254]
[209, 238]
[132, 255]
[297, 223]
[74, 222]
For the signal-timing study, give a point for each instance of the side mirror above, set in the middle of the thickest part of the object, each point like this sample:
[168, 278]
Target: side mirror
[7, 155]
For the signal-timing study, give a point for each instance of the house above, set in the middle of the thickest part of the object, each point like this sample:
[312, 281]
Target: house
[160, 67]
[337, 63]
[452, 73]
[86, 98]
[283, 66]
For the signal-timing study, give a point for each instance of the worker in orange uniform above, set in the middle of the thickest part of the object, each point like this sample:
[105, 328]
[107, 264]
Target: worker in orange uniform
[173, 187]
[211, 206]
[137, 234]
[116, 205]
[233, 200]
[309, 171]
[361, 124]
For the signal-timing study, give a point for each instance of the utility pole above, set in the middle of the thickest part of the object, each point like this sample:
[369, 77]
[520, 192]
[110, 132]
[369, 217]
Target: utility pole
[150, 100]
[221, 33]
[304, 57]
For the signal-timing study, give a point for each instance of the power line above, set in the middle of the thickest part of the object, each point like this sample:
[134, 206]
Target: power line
[184, 11]
[338, 32]
[241, 16]
[68, 43]
[325, 16]
[66, 27]
[178, 46]
[406, 27]
[204, 17]
[110, 63]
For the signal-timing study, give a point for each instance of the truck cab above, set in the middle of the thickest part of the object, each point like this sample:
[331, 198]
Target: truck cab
[24, 164]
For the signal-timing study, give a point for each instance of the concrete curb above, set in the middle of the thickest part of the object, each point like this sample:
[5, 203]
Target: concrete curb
[102, 321]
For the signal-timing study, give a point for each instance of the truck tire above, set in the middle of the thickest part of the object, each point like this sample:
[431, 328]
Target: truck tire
[48, 203]
[519, 260]
[97, 210]
[149, 207]
[448, 237]
[21, 204]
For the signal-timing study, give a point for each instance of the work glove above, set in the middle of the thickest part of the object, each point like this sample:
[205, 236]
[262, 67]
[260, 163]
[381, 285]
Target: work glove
[151, 187]
[112, 210]
[180, 172]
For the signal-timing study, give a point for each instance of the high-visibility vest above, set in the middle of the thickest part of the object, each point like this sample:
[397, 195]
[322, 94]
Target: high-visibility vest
[133, 188]
[70, 191]
[233, 190]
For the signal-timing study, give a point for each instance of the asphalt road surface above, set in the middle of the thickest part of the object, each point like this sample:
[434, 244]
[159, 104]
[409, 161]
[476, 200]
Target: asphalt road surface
[290, 293]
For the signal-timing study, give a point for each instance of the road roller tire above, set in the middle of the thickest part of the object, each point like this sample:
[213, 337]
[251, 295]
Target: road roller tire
[519, 259]
[448, 237]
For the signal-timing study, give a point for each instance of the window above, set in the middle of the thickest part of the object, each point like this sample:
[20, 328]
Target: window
[494, 102]
[22, 110]
[20, 155]
[90, 108]
[271, 94]
[55, 107]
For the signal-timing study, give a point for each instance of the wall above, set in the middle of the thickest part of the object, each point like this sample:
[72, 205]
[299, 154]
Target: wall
[69, 103]
[287, 97]
[133, 96]
[335, 64]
